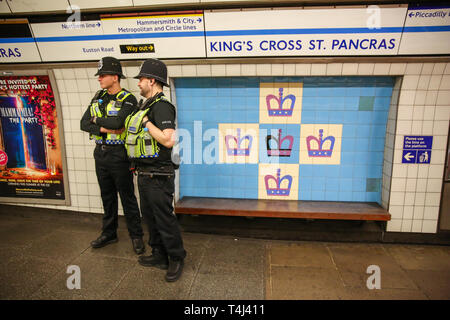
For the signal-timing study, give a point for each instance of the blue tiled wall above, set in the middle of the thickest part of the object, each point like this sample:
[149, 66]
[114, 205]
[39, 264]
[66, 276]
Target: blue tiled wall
[360, 104]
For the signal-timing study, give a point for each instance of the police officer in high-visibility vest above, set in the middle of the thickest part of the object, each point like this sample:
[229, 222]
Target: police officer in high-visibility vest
[149, 141]
[104, 120]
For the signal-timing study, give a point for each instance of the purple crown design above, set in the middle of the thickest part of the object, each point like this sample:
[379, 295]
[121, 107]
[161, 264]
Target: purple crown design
[278, 191]
[238, 150]
[280, 112]
[279, 152]
[320, 152]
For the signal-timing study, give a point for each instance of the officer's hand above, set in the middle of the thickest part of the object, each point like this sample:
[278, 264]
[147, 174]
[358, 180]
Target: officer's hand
[118, 131]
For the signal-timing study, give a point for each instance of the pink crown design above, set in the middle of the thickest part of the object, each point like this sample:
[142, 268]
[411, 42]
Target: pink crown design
[238, 150]
[278, 191]
[279, 151]
[280, 112]
[320, 152]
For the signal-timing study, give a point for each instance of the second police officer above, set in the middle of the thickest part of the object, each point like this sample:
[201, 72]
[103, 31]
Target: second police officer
[104, 120]
[149, 141]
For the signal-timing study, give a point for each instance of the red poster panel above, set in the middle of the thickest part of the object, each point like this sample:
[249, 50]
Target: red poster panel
[31, 163]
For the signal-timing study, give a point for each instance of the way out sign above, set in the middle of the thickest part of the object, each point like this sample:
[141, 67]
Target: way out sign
[417, 149]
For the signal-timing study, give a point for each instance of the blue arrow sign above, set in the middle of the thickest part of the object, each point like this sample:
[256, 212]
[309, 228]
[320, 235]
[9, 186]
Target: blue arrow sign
[417, 149]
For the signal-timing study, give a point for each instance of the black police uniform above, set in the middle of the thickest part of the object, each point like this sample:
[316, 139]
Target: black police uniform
[111, 163]
[156, 183]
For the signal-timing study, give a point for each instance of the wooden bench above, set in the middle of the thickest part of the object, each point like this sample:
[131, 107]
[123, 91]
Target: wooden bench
[282, 209]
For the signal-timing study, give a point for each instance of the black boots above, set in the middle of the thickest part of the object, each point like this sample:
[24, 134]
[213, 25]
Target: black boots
[103, 240]
[159, 260]
[138, 245]
[175, 270]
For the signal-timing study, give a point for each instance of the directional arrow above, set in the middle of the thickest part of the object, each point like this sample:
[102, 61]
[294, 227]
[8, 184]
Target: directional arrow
[411, 15]
[199, 20]
[98, 24]
[408, 156]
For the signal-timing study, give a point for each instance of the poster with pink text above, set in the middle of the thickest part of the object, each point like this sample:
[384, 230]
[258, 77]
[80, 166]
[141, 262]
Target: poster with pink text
[30, 142]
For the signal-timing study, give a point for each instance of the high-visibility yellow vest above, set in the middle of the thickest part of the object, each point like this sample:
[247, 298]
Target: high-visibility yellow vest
[112, 109]
[138, 142]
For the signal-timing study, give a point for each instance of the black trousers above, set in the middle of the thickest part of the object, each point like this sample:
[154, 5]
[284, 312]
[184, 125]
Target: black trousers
[156, 198]
[114, 177]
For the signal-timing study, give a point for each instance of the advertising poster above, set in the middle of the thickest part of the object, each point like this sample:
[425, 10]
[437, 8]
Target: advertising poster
[30, 143]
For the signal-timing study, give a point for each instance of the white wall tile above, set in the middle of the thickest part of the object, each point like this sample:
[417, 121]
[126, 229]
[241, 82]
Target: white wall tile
[408, 212]
[277, 69]
[443, 98]
[435, 82]
[381, 68]
[61, 86]
[413, 68]
[409, 199]
[427, 68]
[204, 70]
[431, 213]
[407, 97]
[80, 73]
[434, 185]
[431, 97]
[396, 212]
[398, 184]
[442, 113]
[83, 201]
[303, 69]
[334, 69]
[447, 68]
[432, 199]
[397, 198]
[248, 69]
[420, 98]
[406, 225]
[58, 74]
[439, 68]
[218, 70]
[349, 69]
[405, 112]
[424, 82]
[289, 69]
[174, 71]
[366, 68]
[416, 226]
[68, 74]
[429, 226]
[427, 127]
[445, 83]
[404, 127]
[410, 185]
[188, 70]
[400, 171]
[394, 225]
[397, 69]
[440, 127]
[233, 69]
[418, 212]
[263, 69]
[410, 82]
[318, 69]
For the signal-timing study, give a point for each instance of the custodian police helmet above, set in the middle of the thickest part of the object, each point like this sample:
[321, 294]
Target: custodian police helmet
[110, 65]
[154, 69]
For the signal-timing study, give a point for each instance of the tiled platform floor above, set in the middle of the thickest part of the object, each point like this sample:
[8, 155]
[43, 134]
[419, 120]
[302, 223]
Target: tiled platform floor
[36, 250]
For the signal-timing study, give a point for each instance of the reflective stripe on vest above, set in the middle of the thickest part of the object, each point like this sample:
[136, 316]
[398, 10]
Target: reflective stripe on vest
[139, 143]
[112, 109]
